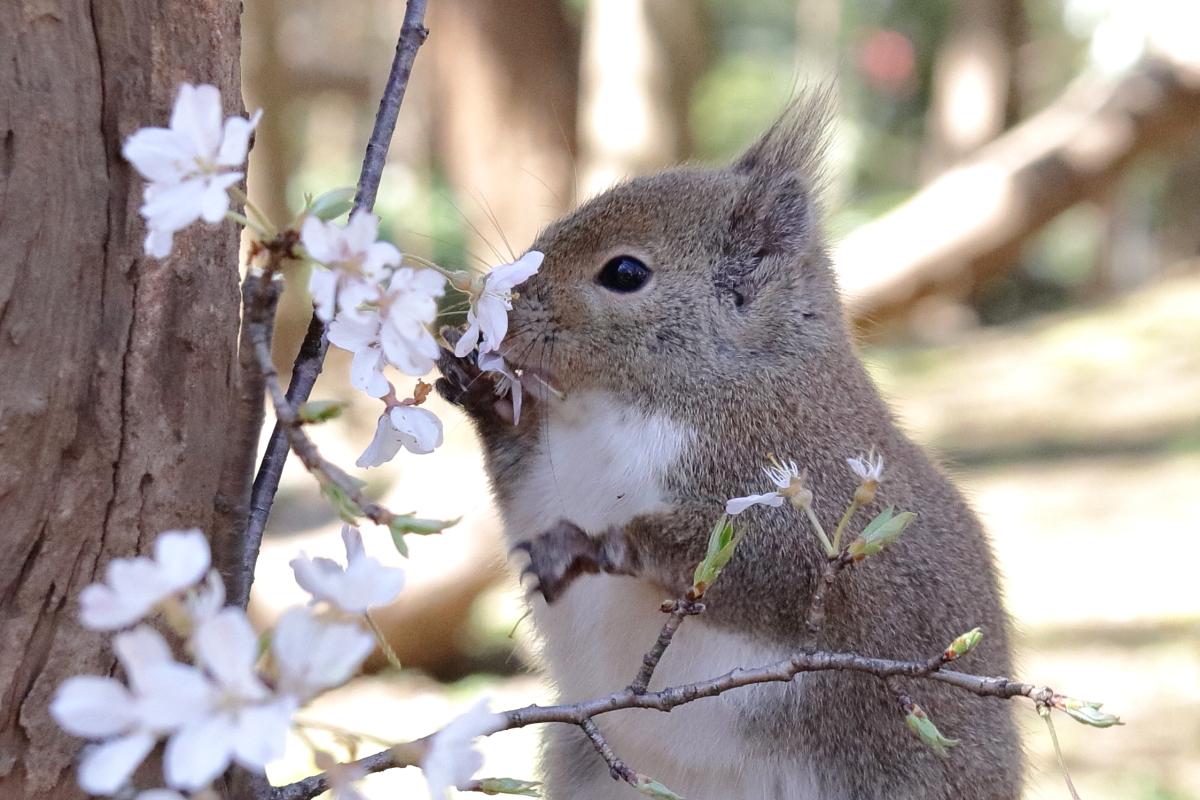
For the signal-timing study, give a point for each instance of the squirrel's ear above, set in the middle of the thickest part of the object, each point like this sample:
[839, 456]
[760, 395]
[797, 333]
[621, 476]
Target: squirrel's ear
[774, 221]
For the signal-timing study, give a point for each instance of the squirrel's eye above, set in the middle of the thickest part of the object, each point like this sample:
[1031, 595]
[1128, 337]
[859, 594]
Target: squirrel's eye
[623, 274]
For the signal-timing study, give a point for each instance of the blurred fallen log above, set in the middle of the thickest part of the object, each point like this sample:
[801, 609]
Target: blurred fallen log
[970, 223]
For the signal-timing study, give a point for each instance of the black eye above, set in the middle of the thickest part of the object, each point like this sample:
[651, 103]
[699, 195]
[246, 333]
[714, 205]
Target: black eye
[623, 274]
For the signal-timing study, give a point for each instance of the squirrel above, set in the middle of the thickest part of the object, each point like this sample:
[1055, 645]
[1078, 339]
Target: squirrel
[683, 326]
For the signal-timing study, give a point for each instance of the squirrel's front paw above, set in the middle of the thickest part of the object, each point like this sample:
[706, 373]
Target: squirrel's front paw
[565, 552]
[463, 383]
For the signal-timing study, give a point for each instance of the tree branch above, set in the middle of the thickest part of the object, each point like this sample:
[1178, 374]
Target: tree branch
[667, 699]
[968, 223]
[311, 357]
[616, 767]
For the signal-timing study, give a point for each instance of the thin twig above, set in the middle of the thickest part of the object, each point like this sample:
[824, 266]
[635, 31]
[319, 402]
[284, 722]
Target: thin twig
[667, 699]
[616, 767]
[679, 609]
[297, 439]
[816, 609]
[312, 352]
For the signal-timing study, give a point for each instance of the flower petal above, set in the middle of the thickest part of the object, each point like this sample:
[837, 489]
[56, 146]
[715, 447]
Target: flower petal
[235, 142]
[383, 447]
[261, 734]
[228, 648]
[420, 430]
[182, 557]
[196, 116]
[93, 707]
[739, 504]
[199, 753]
[107, 767]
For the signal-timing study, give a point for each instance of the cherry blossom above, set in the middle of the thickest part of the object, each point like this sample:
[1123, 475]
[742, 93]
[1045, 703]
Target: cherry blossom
[315, 654]
[491, 302]
[507, 382]
[135, 585]
[450, 759]
[785, 475]
[163, 695]
[869, 469]
[189, 165]
[360, 335]
[409, 307]
[415, 429]
[361, 585]
[243, 721]
[356, 262]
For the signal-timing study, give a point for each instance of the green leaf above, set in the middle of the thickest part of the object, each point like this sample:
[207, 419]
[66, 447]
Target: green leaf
[1089, 713]
[721, 545]
[345, 508]
[882, 531]
[923, 726]
[652, 788]
[333, 204]
[317, 411]
[507, 786]
[410, 524]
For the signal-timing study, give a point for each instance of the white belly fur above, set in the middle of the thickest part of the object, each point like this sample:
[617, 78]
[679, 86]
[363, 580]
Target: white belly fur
[600, 463]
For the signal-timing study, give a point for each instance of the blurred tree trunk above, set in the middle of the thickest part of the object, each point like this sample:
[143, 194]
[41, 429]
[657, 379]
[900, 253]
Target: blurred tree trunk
[119, 370]
[640, 62]
[505, 129]
[976, 94]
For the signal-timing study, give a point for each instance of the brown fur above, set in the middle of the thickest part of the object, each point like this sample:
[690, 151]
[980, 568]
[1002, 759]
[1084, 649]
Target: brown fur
[740, 336]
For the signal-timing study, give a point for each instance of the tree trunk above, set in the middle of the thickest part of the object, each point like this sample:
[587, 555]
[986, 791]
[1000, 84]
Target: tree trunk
[120, 370]
[505, 124]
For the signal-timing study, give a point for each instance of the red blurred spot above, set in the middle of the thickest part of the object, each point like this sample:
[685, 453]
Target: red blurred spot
[888, 61]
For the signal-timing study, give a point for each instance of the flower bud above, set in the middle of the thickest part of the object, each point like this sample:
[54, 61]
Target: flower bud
[1088, 713]
[493, 786]
[963, 644]
[652, 788]
[865, 492]
[923, 726]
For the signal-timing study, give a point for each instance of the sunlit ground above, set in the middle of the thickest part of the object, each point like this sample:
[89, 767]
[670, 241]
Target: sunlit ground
[1077, 439]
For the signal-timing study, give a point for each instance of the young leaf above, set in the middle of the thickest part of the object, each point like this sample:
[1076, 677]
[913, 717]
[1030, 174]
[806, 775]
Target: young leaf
[410, 524]
[652, 788]
[963, 644]
[882, 531]
[923, 726]
[507, 786]
[316, 411]
[332, 204]
[346, 508]
[1089, 713]
[721, 544]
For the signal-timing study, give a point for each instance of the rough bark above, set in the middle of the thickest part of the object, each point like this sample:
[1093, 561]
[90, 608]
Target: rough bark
[969, 223]
[120, 370]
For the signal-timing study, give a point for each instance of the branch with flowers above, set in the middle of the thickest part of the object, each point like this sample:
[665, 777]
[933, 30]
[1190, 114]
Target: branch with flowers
[235, 695]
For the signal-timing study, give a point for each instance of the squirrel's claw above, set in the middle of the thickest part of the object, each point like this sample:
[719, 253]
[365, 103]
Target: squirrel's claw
[462, 383]
[562, 554]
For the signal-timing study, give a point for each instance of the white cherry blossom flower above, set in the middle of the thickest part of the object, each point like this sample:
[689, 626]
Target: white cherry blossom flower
[189, 165]
[159, 794]
[135, 585]
[244, 721]
[450, 759]
[408, 308]
[490, 304]
[507, 383]
[415, 429]
[869, 468]
[163, 695]
[315, 654]
[785, 475]
[360, 334]
[206, 600]
[361, 585]
[739, 504]
[356, 262]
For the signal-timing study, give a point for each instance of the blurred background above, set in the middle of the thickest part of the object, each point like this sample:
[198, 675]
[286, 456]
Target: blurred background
[1014, 208]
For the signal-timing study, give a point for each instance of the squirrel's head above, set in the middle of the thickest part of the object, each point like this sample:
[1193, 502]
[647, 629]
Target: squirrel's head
[688, 277]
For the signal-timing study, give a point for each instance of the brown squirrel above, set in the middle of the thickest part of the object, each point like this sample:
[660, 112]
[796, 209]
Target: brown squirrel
[683, 326]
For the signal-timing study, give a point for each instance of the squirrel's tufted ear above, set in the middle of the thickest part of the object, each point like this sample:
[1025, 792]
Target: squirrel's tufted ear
[774, 221]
